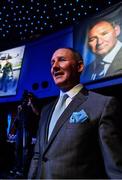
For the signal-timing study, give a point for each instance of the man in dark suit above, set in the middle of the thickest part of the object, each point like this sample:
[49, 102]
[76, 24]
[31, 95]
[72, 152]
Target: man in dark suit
[70, 147]
[103, 42]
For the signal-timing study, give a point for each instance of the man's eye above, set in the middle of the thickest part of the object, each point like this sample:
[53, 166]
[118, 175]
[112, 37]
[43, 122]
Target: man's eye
[91, 40]
[62, 59]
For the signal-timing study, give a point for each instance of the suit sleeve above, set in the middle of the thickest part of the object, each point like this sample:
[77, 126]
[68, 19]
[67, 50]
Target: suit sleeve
[35, 160]
[111, 138]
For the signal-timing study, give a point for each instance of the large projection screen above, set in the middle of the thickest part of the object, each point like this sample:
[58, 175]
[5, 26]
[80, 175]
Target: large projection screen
[99, 39]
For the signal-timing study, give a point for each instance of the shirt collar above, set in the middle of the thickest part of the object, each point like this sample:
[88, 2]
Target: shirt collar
[72, 92]
[111, 55]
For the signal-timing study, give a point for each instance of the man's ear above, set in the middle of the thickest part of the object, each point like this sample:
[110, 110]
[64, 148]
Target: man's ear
[80, 66]
[117, 30]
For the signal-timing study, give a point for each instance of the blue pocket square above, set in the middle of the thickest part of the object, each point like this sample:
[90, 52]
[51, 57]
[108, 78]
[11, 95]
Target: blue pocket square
[78, 117]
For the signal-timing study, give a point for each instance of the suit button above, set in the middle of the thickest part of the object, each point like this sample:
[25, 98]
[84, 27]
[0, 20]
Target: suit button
[44, 159]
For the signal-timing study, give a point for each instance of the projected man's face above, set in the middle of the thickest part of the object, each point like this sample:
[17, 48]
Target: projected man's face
[102, 37]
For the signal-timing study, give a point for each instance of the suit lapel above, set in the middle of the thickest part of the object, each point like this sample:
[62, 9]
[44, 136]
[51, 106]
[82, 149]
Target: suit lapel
[47, 116]
[78, 100]
[116, 65]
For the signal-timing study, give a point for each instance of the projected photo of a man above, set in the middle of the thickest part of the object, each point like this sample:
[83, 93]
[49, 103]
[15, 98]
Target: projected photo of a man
[104, 43]
[101, 45]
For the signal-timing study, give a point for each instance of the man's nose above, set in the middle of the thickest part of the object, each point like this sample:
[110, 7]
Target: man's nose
[99, 40]
[55, 64]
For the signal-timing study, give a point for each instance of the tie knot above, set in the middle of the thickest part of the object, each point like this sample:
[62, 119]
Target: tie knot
[63, 98]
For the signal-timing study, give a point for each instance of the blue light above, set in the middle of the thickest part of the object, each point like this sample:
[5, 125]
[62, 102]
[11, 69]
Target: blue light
[9, 123]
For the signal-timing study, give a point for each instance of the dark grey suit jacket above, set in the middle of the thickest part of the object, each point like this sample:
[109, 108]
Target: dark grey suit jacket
[114, 69]
[111, 139]
[73, 150]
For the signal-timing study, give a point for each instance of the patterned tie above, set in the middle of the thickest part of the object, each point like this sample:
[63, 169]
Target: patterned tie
[60, 107]
[100, 71]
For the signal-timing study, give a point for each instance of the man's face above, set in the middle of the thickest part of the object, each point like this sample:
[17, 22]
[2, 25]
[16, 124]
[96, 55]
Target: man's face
[64, 69]
[102, 38]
